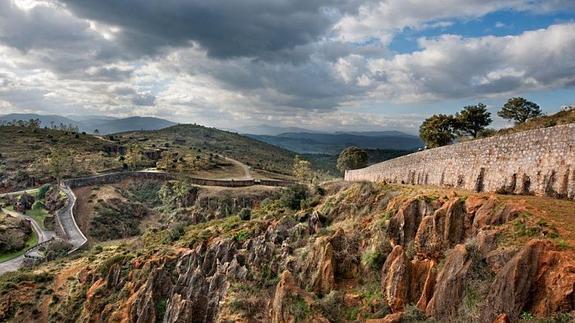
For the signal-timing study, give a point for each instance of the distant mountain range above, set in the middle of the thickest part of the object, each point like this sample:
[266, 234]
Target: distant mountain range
[89, 124]
[326, 143]
[268, 130]
[295, 139]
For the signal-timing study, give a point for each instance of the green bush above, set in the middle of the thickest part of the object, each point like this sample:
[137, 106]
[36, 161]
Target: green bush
[177, 230]
[38, 205]
[331, 305]
[293, 196]
[413, 314]
[42, 192]
[373, 259]
[245, 214]
[299, 309]
[146, 192]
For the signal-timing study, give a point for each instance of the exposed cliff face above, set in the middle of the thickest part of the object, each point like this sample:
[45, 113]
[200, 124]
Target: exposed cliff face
[363, 252]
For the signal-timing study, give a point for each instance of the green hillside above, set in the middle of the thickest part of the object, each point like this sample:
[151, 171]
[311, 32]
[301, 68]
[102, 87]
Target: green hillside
[254, 153]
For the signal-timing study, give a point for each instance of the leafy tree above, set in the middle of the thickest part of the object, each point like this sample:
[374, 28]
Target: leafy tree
[134, 156]
[302, 169]
[59, 163]
[178, 194]
[473, 119]
[519, 110]
[438, 130]
[351, 158]
[96, 131]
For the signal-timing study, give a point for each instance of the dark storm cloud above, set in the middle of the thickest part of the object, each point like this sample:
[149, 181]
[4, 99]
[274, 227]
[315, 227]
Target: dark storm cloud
[225, 28]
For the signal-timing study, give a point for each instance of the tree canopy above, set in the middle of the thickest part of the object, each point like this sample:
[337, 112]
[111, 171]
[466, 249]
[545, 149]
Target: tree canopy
[519, 110]
[438, 130]
[302, 170]
[472, 119]
[351, 158]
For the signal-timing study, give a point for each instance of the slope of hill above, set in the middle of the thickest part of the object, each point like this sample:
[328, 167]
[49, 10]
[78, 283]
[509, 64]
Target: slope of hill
[324, 143]
[563, 117]
[23, 157]
[45, 120]
[254, 153]
[187, 149]
[104, 125]
[351, 252]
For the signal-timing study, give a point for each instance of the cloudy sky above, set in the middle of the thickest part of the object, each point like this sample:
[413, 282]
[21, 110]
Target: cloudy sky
[318, 64]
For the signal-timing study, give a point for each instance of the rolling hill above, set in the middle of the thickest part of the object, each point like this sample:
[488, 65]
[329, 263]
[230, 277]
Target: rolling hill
[257, 154]
[325, 143]
[104, 125]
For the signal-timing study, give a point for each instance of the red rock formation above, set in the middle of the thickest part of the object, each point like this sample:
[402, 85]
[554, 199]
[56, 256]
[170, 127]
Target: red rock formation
[449, 287]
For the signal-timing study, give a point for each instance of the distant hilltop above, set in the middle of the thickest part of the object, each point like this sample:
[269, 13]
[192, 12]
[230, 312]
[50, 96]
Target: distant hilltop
[93, 124]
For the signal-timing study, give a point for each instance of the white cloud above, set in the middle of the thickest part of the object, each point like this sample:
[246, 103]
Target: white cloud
[453, 67]
[53, 60]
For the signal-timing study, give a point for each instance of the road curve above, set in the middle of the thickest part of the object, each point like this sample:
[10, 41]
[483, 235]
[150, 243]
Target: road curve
[246, 169]
[16, 263]
[66, 216]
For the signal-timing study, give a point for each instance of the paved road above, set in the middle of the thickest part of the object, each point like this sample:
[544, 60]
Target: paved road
[29, 191]
[43, 235]
[73, 232]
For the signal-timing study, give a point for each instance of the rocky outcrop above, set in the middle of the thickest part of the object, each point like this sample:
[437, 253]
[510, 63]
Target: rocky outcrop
[14, 233]
[442, 230]
[395, 279]
[203, 278]
[155, 291]
[450, 284]
[492, 212]
[286, 294]
[537, 279]
[405, 223]
[439, 257]
[319, 268]
[54, 200]
[407, 282]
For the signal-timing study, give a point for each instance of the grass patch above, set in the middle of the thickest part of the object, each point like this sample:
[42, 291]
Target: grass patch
[38, 215]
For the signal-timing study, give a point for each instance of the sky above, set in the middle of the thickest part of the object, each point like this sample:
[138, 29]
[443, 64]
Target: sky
[322, 65]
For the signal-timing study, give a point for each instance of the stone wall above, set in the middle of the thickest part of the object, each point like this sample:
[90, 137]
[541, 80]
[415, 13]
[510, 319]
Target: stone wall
[120, 176]
[540, 162]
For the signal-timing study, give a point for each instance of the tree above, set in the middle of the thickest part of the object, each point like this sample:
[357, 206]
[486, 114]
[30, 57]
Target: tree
[438, 130]
[520, 110]
[96, 131]
[59, 163]
[351, 158]
[302, 169]
[473, 119]
[134, 156]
